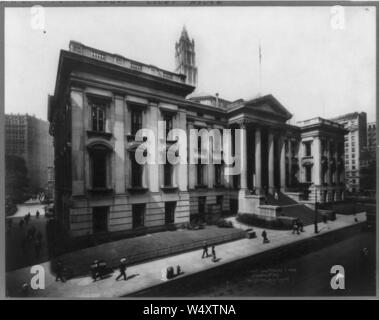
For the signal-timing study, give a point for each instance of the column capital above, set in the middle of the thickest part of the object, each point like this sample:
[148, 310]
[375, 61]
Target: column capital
[243, 123]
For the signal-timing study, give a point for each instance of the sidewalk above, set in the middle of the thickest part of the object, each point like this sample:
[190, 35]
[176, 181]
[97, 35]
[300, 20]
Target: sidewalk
[148, 274]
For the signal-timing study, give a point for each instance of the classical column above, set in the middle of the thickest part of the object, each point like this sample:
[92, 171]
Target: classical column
[191, 165]
[77, 145]
[271, 161]
[243, 155]
[289, 162]
[258, 167]
[282, 163]
[328, 156]
[317, 161]
[300, 156]
[119, 146]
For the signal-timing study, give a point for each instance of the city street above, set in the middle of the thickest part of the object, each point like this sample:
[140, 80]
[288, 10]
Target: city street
[17, 256]
[305, 275]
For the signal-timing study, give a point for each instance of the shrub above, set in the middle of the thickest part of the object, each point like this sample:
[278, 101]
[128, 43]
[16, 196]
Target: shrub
[222, 223]
[257, 221]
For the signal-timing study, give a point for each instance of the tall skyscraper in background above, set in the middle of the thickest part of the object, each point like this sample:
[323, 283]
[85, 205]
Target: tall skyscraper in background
[355, 144]
[185, 58]
[28, 137]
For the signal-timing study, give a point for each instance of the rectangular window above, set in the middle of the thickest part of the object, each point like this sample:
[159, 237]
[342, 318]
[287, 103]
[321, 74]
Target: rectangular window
[308, 149]
[137, 171]
[202, 201]
[99, 169]
[167, 118]
[217, 174]
[170, 212]
[168, 174]
[100, 219]
[138, 213]
[98, 117]
[136, 120]
[200, 174]
[219, 201]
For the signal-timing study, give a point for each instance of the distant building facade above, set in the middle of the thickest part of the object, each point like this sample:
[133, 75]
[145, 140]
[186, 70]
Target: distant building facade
[102, 100]
[355, 144]
[28, 137]
[371, 136]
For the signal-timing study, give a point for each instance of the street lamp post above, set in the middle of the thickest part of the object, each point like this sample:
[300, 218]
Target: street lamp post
[315, 222]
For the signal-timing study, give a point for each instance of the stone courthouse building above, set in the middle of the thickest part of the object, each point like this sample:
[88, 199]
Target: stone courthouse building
[100, 102]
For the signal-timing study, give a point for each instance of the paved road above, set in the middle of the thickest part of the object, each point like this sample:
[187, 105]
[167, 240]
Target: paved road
[16, 257]
[32, 207]
[305, 275]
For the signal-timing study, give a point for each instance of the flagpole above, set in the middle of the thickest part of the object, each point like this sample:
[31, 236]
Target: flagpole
[260, 68]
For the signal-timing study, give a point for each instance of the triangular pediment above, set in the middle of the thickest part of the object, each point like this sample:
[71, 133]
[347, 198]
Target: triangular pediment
[269, 105]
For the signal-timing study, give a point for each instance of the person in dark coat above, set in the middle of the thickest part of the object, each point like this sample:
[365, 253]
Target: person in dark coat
[213, 253]
[205, 250]
[37, 214]
[59, 271]
[122, 271]
[301, 226]
[264, 236]
[296, 227]
[94, 270]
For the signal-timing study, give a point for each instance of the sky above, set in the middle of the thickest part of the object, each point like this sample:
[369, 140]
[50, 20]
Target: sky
[315, 61]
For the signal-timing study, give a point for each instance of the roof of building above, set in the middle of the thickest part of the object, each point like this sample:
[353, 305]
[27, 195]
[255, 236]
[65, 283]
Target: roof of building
[350, 115]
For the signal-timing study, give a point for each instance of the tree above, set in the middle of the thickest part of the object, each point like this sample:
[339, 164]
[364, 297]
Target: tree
[16, 179]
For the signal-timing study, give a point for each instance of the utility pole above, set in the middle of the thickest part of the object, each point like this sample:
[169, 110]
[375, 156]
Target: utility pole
[316, 226]
[260, 68]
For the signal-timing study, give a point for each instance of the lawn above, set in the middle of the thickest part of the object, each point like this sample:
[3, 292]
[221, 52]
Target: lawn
[147, 247]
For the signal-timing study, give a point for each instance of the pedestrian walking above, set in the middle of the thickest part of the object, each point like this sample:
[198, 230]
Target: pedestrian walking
[264, 236]
[301, 226]
[213, 254]
[94, 269]
[295, 228]
[59, 271]
[276, 195]
[205, 250]
[122, 269]
[37, 214]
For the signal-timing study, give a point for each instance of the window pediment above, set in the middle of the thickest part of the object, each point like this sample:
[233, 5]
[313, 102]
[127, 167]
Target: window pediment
[99, 145]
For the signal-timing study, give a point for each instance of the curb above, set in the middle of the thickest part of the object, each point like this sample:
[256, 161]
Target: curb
[299, 247]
